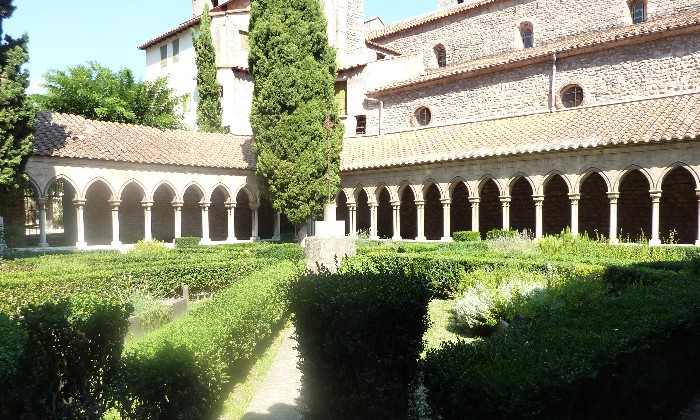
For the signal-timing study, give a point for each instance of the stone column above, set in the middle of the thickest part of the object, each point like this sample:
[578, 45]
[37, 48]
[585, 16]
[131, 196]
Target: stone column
[276, 234]
[373, 221]
[697, 241]
[254, 234]
[41, 202]
[79, 208]
[115, 222]
[147, 219]
[539, 202]
[575, 198]
[655, 209]
[230, 211]
[475, 212]
[420, 212]
[352, 212]
[205, 221]
[613, 197]
[396, 219]
[446, 204]
[505, 204]
[177, 206]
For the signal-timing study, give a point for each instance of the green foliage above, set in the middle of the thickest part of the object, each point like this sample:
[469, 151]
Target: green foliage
[187, 241]
[501, 233]
[182, 369]
[149, 247]
[66, 357]
[209, 109]
[466, 236]
[98, 93]
[294, 70]
[16, 111]
[360, 336]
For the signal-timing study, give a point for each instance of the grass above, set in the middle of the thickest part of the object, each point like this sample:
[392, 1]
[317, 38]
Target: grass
[443, 324]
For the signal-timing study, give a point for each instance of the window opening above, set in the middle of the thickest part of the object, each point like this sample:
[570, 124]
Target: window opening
[361, 124]
[638, 12]
[572, 96]
[164, 55]
[423, 116]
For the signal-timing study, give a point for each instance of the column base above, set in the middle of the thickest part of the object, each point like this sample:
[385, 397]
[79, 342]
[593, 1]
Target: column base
[254, 238]
[374, 238]
[421, 238]
[276, 238]
[231, 240]
[204, 241]
[43, 245]
[614, 241]
[81, 244]
[116, 243]
[446, 239]
[396, 238]
[697, 243]
[654, 242]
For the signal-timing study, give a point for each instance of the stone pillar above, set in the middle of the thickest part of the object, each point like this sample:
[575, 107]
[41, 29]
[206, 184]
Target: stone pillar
[352, 212]
[276, 235]
[115, 222]
[539, 202]
[420, 212]
[446, 203]
[655, 207]
[147, 219]
[373, 221]
[697, 241]
[41, 202]
[79, 209]
[254, 234]
[396, 219]
[505, 204]
[613, 197]
[575, 198]
[205, 222]
[177, 206]
[475, 212]
[231, 210]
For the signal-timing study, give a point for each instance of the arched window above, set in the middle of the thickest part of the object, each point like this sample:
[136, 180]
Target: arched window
[638, 12]
[527, 34]
[423, 116]
[572, 96]
[441, 56]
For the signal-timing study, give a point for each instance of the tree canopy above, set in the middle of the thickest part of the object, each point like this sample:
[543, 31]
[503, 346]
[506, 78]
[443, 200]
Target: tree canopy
[16, 111]
[209, 110]
[96, 92]
[294, 71]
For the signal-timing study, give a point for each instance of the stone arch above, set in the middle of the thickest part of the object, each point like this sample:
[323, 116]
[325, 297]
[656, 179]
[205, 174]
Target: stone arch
[26, 212]
[250, 193]
[522, 204]
[678, 212]
[131, 182]
[169, 185]
[517, 177]
[433, 210]
[131, 214]
[192, 197]
[460, 207]
[484, 180]
[342, 211]
[589, 172]
[490, 208]
[359, 188]
[634, 205]
[163, 212]
[627, 171]
[223, 188]
[65, 180]
[594, 204]
[266, 218]
[553, 174]
[362, 212]
[385, 212]
[556, 207]
[243, 213]
[673, 167]
[219, 197]
[408, 211]
[97, 215]
[429, 183]
[112, 192]
[61, 215]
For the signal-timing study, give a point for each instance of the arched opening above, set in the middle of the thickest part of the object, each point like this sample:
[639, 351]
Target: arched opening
[460, 209]
[98, 214]
[131, 214]
[594, 207]
[342, 212]
[163, 214]
[385, 229]
[243, 216]
[192, 212]
[490, 210]
[433, 213]
[634, 208]
[61, 221]
[363, 213]
[409, 214]
[522, 206]
[678, 215]
[266, 219]
[218, 214]
[440, 55]
[556, 208]
[29, 234]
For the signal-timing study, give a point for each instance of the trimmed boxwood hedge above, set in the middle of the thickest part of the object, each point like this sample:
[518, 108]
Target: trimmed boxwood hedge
[466, 236]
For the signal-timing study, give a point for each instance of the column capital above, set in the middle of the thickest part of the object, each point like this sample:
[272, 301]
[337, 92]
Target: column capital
[352, 206]
[398, 203]
[447, 201]
[613, 196]
[230, 205]
[574, 196]
[147, 204]
[475, 200]
[655, 195]
[41, 201]
[372, 204]
[79, 202]
[178, 205]
[115, 204]
[538, 198]
[254, 206]
[504, 198]
[697, 192]
[420, 204]
[205, 205]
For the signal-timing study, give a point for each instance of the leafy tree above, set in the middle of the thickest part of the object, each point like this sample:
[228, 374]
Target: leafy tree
[294, 71]
[98, 93]
[209, 108]
[16, 111]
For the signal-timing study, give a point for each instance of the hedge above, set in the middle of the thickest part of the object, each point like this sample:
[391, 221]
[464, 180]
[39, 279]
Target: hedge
[466, 236]
[630, 354]
[183, 369]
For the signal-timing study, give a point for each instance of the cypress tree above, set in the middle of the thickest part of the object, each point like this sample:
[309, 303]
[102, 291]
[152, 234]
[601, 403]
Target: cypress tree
[209, 108]
[294, 70]
[16, 111]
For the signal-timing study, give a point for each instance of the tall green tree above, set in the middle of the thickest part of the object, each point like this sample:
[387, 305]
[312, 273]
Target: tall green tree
[294, 70]
[16, 111]
[96, 92]
[209, 108]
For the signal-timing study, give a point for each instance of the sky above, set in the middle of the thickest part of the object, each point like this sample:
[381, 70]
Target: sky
[71, 32]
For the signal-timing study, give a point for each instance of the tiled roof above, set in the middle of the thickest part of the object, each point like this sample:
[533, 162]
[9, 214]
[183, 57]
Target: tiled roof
[180, 28]
[661, 27]
[72, 136]
[664, 119]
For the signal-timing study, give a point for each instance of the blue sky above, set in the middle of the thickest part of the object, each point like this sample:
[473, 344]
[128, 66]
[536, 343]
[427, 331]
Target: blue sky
[70, 32]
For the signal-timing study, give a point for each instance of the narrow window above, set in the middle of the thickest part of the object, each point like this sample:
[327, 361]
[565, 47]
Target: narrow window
[164, 55]
[176, 50]
[527, 34]
[638, 12]
[441, 55]
[572, 96]
[361, 124]
[423, 116]
[341, 97]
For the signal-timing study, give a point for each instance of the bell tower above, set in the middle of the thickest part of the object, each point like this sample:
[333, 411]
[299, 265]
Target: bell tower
[198, 6]
[345, 25]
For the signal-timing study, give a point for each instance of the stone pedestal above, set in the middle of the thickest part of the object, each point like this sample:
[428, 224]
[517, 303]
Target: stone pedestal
[328, 251]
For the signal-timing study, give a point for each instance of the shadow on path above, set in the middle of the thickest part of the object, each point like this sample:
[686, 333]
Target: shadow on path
[276, 412]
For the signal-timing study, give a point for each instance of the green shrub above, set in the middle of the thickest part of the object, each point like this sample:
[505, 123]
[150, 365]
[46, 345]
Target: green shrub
[500, 234]
[466, 236]
[187, 242]
[149, 247]
[359, 336]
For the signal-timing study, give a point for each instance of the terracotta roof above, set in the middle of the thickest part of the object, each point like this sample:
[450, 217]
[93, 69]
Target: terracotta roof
[380, 47]
[664, 119]
[180, 28]
[72, 136]
[664, 27]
